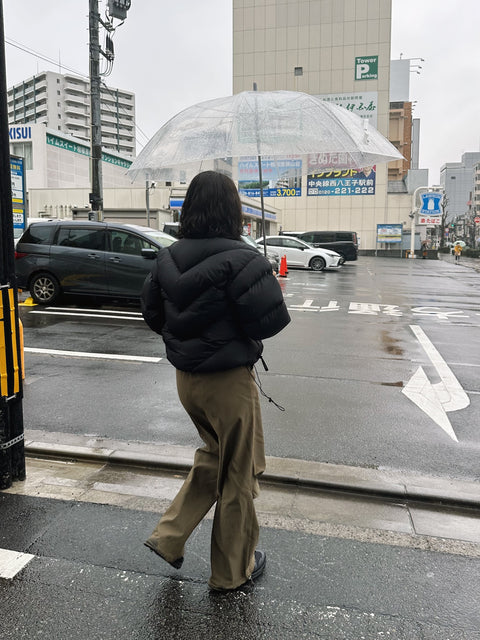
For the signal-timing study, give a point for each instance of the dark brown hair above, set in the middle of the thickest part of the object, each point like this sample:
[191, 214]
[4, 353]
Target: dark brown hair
[211, 208]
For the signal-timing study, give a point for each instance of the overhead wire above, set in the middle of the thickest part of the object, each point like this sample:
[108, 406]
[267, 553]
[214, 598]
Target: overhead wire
[41, 56]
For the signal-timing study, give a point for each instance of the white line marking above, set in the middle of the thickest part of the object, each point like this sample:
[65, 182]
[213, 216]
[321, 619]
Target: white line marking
[11, 562]
[420, 391]
[307, 305]
[87, 315]
[436, 399]
[126, 313]
[449, 390]
[102, 356]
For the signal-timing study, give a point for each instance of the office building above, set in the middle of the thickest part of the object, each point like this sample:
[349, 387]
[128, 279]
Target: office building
[457, 180]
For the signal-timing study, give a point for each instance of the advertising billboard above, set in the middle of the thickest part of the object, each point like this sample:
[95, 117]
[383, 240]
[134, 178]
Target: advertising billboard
[342, 182]
[389, 233]
[276, 177]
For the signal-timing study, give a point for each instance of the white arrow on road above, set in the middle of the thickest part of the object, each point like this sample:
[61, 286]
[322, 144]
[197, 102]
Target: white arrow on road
[436, 399]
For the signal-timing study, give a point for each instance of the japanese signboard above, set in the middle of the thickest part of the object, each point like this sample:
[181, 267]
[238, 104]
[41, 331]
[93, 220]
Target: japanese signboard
[275, 172]
[425, 219]
[389, 233]
[366, 68]
[362, 103]
[342, 182]
[18, 192]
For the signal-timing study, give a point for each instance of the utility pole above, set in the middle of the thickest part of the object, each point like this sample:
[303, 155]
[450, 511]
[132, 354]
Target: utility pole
[116, 9]
[96, 196]
[12, 456]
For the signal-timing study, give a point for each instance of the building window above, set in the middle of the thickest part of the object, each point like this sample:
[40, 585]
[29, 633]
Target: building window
[24, 150]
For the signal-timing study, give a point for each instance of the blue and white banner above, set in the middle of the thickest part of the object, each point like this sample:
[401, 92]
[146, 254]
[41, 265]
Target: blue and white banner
[342, 182]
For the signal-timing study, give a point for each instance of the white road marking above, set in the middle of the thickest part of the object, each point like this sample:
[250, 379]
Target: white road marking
[88, 315]
[436, 399]
[307, 305]
[12, 562]
[126, 313]
[101, 356]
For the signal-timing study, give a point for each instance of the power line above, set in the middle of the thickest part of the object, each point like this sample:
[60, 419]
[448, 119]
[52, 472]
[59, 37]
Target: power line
[41, 56]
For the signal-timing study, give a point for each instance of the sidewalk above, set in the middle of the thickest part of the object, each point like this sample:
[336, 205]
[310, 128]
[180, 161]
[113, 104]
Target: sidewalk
[472, 263]
[351, 553]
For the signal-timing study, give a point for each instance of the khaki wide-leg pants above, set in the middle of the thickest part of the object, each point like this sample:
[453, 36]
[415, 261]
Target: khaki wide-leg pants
[225, 409]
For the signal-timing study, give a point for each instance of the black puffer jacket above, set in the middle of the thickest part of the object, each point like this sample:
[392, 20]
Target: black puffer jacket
[213, 300]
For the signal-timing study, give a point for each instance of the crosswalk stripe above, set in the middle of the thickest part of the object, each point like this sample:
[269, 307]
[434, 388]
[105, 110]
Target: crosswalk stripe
[12, 562]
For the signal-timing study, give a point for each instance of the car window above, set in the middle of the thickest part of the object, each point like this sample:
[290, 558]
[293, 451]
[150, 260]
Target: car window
[274, 242]
[308, 237]
[162, 241]
[39, 234]
[323, 237]
[345, 236]
[80, 238]
[129, 243]
[292, 243]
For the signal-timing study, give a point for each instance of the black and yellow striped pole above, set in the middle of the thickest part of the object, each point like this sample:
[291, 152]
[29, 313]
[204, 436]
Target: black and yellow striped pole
[12, 457]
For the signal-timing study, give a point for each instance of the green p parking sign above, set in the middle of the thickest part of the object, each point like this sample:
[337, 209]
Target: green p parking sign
[366, 68]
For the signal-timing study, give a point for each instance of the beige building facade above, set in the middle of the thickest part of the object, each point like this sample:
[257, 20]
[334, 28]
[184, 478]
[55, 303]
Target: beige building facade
[340, 50]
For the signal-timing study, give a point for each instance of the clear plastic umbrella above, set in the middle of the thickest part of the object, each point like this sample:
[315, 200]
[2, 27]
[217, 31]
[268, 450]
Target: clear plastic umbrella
[275, 124]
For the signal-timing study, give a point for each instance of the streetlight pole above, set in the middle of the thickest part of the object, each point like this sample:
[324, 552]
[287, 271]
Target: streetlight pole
[413, 216]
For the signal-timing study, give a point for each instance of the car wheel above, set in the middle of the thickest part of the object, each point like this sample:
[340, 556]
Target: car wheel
[44, 288]
[317, 264]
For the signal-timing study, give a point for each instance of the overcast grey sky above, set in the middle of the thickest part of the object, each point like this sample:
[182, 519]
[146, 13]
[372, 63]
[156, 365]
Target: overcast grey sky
[174, 53]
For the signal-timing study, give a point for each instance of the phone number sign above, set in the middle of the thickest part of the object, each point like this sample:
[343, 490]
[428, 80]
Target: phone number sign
[342, 182]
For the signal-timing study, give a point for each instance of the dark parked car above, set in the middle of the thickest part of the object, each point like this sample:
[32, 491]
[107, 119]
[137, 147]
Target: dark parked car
[343, 242]
[101, 259]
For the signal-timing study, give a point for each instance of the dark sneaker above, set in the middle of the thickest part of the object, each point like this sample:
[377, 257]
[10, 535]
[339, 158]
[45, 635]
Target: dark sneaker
[176, 564]
[260, 562]
[258, 569]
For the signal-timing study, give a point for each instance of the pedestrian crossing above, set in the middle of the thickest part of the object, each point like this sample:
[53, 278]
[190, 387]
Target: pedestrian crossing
[12, 562]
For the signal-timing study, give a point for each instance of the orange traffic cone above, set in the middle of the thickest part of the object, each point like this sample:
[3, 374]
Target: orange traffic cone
[283, 267]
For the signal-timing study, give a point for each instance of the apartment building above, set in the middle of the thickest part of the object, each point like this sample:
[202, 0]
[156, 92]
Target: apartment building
[62, 102]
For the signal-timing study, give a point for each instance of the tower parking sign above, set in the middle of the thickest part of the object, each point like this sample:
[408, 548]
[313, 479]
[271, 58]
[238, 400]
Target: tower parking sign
[366, 68]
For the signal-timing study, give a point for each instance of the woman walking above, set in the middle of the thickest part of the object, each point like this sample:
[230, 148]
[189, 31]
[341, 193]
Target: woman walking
[213, 299]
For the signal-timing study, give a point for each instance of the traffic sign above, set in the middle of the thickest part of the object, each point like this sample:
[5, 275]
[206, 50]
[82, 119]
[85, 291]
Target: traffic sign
[476, 220]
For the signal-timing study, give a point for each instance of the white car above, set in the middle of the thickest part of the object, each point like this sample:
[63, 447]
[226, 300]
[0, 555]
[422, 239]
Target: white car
[272, 256]
[301, 254]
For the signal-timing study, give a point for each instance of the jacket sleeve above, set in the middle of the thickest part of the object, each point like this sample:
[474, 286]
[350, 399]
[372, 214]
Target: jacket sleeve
[152, 303]
[258, 304]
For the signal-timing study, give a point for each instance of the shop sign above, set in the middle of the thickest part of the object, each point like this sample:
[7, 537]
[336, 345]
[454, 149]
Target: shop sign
[431, 202]
[436, 220]
[18, 191]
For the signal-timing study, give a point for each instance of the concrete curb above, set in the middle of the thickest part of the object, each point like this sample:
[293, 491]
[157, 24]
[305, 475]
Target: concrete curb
[304, 474]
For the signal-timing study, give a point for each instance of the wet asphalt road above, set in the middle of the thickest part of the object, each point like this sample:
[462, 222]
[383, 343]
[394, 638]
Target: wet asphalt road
[340, 369]
[92, 578]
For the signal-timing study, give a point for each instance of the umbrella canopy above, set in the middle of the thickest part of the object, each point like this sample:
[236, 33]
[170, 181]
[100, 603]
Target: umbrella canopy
[460, 242]
[261, 124]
